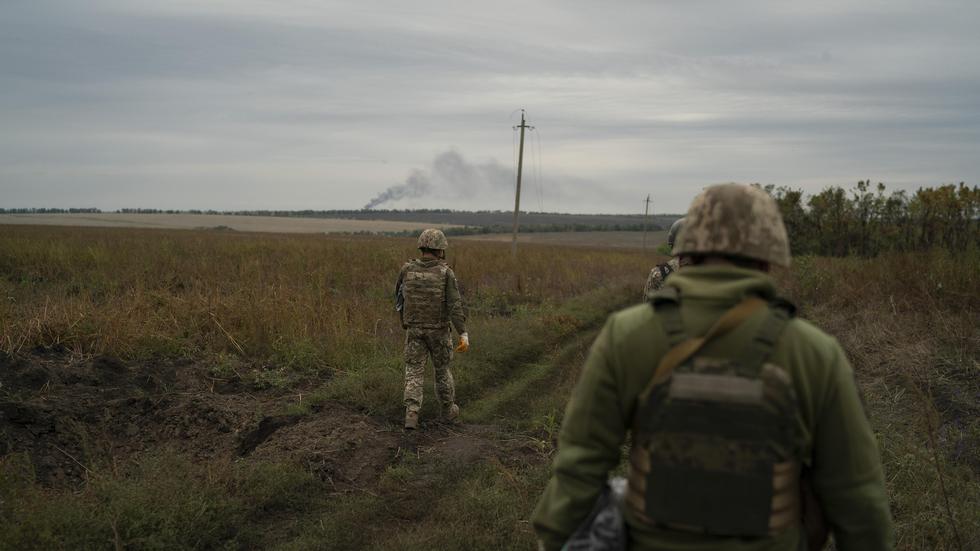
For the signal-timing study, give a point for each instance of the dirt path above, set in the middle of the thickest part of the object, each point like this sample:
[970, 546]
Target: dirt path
[79, 419]
[74, 418]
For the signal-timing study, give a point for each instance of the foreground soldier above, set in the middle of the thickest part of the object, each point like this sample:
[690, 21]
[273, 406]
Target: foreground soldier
[660, 272]
[728, 398]
[427, 298]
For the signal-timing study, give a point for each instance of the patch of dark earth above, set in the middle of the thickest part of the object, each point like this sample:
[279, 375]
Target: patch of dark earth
[73, 418]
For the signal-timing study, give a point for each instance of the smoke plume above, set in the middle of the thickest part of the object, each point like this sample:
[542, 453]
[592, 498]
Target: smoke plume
[417, 185]
[449, 176]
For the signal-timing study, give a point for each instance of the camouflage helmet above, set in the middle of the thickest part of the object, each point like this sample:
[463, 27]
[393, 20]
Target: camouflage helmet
[433, 239]
[738, 220]
[675, 229]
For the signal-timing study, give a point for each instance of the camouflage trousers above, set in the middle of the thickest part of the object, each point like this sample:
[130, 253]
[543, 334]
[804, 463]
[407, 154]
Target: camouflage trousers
[420, 344]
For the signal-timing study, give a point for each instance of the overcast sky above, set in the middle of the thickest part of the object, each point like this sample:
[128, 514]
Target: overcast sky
[315, 104]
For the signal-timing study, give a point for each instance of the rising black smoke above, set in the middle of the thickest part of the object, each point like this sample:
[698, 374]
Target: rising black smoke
[450, 175]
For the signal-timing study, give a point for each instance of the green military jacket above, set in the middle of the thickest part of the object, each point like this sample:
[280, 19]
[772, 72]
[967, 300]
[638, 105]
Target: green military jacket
[840, 447]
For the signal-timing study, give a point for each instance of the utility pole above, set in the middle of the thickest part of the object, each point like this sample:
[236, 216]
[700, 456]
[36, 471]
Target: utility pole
[520, 166]
[646, 214]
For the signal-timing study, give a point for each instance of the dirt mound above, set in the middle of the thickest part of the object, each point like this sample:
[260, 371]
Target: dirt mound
[74, 418]
[342, 447]
[461, 443]
[77, 418]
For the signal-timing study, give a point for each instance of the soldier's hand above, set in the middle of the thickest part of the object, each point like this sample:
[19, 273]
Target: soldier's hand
[464, 343]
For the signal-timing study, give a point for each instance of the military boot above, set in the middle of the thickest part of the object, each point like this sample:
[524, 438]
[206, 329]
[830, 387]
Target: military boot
[452, 413]
[411, 420]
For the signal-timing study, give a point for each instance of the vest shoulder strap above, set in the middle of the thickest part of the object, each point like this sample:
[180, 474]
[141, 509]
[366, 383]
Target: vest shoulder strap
[666, 303]
[679, 353]
[756, 352]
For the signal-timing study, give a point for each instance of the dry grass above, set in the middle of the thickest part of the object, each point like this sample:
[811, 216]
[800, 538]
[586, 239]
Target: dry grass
[613, 239]
[302, 304]
[309, 304]
[909, 325]
[305, 301]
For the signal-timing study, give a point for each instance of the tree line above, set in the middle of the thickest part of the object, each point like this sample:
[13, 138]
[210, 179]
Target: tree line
[34, 210]
[866, 221]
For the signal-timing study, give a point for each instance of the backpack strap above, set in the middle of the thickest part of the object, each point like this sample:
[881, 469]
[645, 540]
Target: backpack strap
[757, 352]
[666, 303]
[687, 348]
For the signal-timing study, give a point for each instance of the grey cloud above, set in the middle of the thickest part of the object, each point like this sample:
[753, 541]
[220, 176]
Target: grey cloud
[129, 96]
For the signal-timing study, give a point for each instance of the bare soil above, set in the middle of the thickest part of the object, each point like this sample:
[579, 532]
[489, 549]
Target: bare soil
[74, 418]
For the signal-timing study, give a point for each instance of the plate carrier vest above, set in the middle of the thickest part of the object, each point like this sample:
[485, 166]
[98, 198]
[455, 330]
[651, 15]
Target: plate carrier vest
[716, 448]
[424, 292]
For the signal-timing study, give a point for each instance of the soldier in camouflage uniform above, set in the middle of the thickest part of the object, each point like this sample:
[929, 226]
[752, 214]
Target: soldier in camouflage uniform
[660, 272]
[745, 421]
[427, 297]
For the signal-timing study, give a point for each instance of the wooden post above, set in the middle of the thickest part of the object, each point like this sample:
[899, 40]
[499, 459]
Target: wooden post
[517, 198]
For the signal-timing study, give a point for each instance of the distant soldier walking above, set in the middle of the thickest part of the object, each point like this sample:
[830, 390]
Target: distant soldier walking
[745, 421]
[660, 272]
[427, 297]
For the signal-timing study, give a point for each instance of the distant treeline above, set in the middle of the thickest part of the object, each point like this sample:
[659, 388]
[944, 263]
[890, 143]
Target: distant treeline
[484, 221]
[866, 221]
[50, 211]
[493, 220]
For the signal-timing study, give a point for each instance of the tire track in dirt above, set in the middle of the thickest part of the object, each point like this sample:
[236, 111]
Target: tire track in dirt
[536, 383]
[501, 433]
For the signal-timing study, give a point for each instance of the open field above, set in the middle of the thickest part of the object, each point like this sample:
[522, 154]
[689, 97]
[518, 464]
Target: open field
[614, 239]
[201, 390]
[505, 218]
[495, 218]
[274, 224]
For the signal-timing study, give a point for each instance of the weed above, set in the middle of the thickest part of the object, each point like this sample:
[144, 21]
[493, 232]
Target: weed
[269, 377]
[162, 502]
[225, 366]
[395, 476]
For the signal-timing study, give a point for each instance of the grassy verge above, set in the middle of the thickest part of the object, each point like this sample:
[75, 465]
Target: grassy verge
[909, 326]
[161, 502]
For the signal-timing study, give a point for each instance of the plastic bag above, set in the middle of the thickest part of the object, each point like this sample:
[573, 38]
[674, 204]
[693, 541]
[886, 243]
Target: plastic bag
[604, 529]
